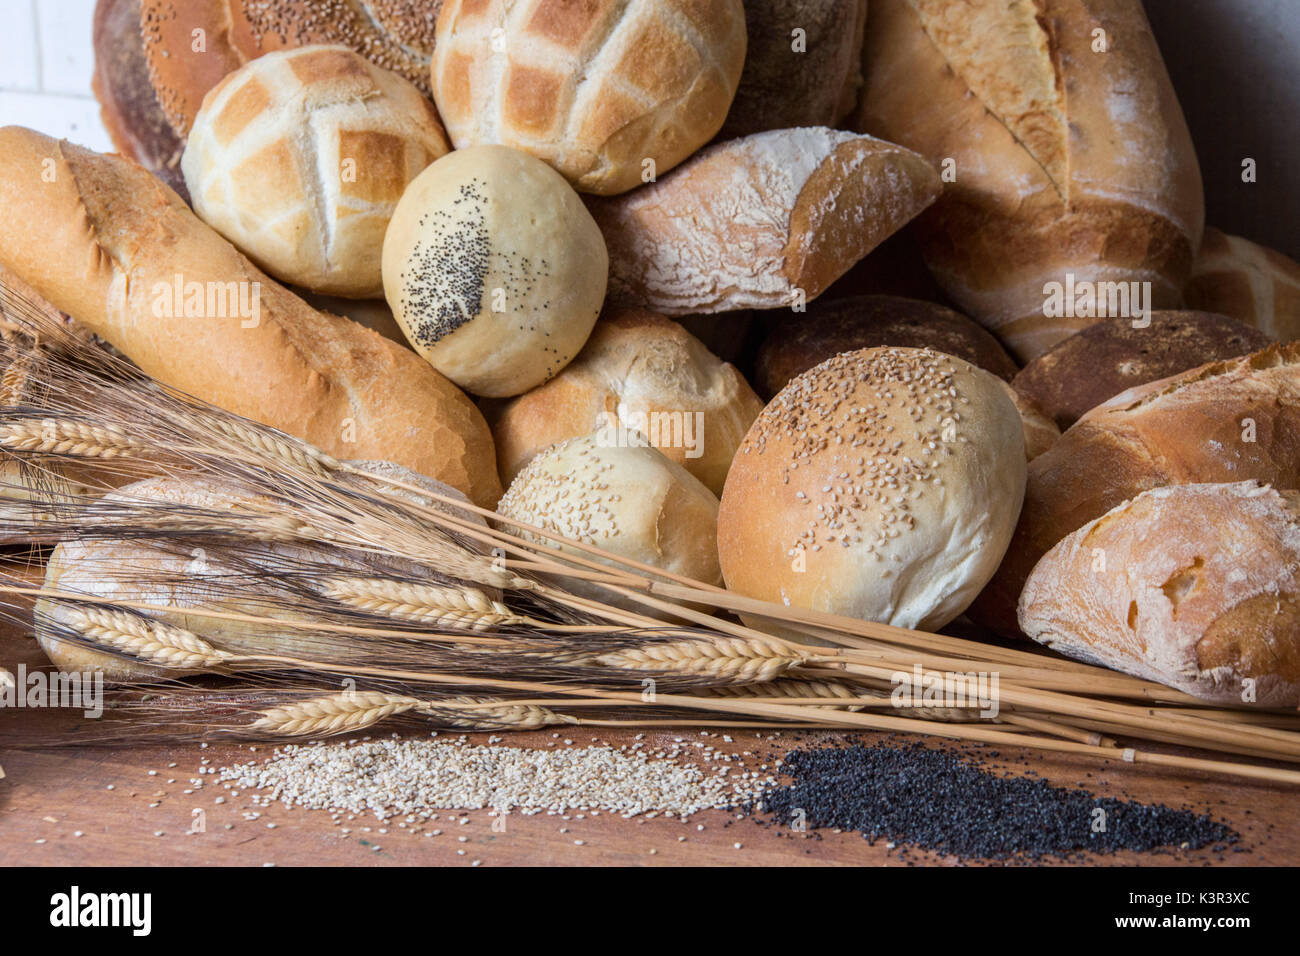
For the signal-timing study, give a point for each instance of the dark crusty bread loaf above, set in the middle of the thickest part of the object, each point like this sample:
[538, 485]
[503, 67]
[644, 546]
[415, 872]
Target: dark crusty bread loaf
[1228, 421]
[1195, 586]
[1103, 360]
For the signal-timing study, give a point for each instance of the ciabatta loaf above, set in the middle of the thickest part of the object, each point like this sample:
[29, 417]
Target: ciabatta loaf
[109, 244]
[1227, 421]
[1066, 150]
[764, 222]
[1194, 586]
[1251, 283]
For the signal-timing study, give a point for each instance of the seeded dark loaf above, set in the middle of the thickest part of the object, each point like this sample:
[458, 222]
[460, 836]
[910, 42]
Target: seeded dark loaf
[104, 240]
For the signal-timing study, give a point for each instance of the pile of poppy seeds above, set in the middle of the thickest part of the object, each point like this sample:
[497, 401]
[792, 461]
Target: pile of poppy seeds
[937, 800]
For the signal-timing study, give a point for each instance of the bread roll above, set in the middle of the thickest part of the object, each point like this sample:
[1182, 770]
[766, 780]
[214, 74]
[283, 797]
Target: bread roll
[863, 322]
[191, 45]
[299, 157]
[138, 571]
[1251, 283]
[883, 484]
[763, 222]
[638, 372]
[1040, 431]
[1081, 372]
[1194, 586]
[1227, 421]
[106, 242]
[494, 269]
[622, 497]
[802, 67]
[610, 92]
[1065, 161]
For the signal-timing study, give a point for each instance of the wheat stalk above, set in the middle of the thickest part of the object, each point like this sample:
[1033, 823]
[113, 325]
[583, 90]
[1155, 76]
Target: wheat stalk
[355, 710]
[422, 603]
[724, 659]
[144, 638]
[291, 451]
[792, 688]
[72, 438]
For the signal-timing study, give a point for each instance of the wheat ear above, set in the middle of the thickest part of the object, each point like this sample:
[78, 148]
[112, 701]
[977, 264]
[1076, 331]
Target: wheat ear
[724, 659]
[75, 439]
[793, 687]
[144, 638]
[422, 603]
[293, 452]
[356, 710]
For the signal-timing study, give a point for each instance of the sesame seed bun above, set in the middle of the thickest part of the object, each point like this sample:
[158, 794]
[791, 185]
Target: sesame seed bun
[883, 484]
[494, 269]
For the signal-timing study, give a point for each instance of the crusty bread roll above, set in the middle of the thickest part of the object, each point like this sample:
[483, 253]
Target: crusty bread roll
[106, 242]
[299, 157]
[1227, 421]
[1040, 431]
[643, 373]
[1099, 362]
[763, 222]
[494, 269]
[191, 45]
[610, 92]
[1251, 283]
[883, 484]
[864, 322]
[802, 67]
[1065, 160]
[133, 571]
[616, 494]
[1194, 586]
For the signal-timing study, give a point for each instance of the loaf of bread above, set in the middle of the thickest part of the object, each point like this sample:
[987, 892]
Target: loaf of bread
[1194, 586]
[1068, 157]
[190, 45]
[494, 269]
[883, 484]
[1228, 421]
[106, 242]
[803, 66]
[1249, 282]
[639, 373]
[612, 93]
[868, 321]
[1079, 373]
[299, 158]
[764, 222]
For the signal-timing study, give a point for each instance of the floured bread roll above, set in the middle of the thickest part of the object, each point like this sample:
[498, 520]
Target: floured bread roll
[883, 484]
[135, 571]
[606, 91]
[298, 158]
[626, 499]
[494, 269]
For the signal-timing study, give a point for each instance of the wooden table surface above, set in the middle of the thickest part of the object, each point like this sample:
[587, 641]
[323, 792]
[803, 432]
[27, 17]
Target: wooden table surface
[47, 797]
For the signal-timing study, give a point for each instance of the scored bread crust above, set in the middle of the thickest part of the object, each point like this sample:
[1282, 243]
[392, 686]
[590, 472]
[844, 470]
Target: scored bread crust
[635, 365]
[395, 34]
[1194, 586]
[597, 88]
[103, 239]
[1066, 160]
[1227, 421]
[755, 222]
[1250, 282]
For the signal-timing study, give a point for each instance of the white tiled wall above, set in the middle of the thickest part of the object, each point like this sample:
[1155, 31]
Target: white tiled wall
[46, 60]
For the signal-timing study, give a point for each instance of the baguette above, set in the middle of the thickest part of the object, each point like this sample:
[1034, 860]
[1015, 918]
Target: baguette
[764, 222]
[106, 242]
[1195, 586]
[1237, 420]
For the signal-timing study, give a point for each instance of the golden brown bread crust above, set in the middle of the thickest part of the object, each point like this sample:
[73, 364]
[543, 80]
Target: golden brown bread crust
[760, 222]
[1079, 373]
[862, 322]
[1250, 282]
[105, 242]
[1195, 586]
[1227, 421]
[395, 34]
[1066, 160]
[594, 88]
[638, 370]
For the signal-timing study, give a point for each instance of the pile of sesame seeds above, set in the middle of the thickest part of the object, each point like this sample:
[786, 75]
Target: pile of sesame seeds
[412, 778]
